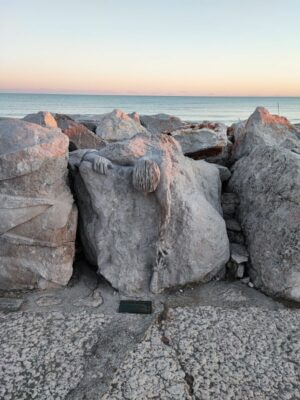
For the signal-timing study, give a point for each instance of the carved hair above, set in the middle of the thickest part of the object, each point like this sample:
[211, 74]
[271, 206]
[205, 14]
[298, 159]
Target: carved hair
[146, 175]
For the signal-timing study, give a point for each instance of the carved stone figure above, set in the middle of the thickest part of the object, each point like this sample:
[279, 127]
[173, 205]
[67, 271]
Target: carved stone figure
[170, 229]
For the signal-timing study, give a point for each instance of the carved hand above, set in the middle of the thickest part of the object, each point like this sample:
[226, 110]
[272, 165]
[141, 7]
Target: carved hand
[101, 165]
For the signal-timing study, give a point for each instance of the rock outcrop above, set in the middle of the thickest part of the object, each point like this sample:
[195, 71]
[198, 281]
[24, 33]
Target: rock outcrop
[263, 128]
[79, 135]
[202, 141]
[161, 123]
[113, 126]
[37, 215]
[152, 217]
[118, 125]
[43, 118]
[268, 184]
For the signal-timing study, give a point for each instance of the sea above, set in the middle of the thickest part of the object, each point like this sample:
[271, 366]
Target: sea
[190, 108]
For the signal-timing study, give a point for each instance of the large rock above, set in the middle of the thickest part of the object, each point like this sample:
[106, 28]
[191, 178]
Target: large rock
[118, 125]
[43, 118]
[161, 123]
[79, 135]
[113, 126]
[204, 140]
[172, 234]
[37, 215]
[268, 184]
[263, 128]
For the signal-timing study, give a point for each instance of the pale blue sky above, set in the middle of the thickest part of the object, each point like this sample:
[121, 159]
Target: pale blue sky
[203, 47]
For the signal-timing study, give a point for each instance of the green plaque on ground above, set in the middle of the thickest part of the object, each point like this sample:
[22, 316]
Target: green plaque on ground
[135, 307]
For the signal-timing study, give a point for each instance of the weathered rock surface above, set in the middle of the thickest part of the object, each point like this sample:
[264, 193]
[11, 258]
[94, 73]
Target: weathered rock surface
[203, 140]
[224, 172]
[37, 214]
[230, 201]
[43, 355]
[118, 125]
[161, 123]
[263, 128]
[113, 126]
[214, 353]
[79, 135]
[72, 351]
[43, 118]
[207, 140]
[170, 235]
[268, 184]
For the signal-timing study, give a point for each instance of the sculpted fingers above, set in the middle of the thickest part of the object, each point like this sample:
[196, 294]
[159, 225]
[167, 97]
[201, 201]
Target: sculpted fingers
[101, 165]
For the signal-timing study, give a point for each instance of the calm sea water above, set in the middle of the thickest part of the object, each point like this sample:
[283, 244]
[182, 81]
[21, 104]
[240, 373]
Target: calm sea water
[223, 109]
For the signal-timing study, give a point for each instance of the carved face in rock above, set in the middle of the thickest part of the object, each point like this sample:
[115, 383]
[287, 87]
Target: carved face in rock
[146, 175]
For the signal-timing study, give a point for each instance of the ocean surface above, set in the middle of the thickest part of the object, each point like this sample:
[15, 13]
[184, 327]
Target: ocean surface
[222, 109]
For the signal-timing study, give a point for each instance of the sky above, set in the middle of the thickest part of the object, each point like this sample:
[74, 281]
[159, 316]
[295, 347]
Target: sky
[151, 47]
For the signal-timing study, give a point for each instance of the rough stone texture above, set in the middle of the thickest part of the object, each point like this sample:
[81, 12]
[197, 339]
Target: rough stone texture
[79, 135]
[224, 172]
[170, 237]
[151, 371]
[43, 118]
[214, 353]
[235, 237]
[112, 126]
[43, 355]
[203, 140]
[268, 185]
[161, 123]
[263, 128]
[117, 125]
[230, 202]
[99, 359]
[37, 215]
[238, 253]
[223, 158]
[233, 225]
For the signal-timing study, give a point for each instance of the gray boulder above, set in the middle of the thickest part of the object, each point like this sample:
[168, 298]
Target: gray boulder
[43, 118]
[37, 215]
[113, 126]
[206, 140]
[224, 172]
[263, 128]
[268, 184]
[161, 123]
[117, 125]
[203, 140]
[154, 218]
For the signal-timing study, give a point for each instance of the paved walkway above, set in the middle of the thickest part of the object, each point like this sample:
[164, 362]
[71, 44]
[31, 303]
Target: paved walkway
[217, 341]
[212, 353]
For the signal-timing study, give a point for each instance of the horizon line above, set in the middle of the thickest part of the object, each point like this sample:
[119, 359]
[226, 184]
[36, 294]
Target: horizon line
[140, 95]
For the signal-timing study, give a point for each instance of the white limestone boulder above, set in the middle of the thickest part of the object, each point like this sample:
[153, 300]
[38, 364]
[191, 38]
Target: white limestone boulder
[172, 235]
